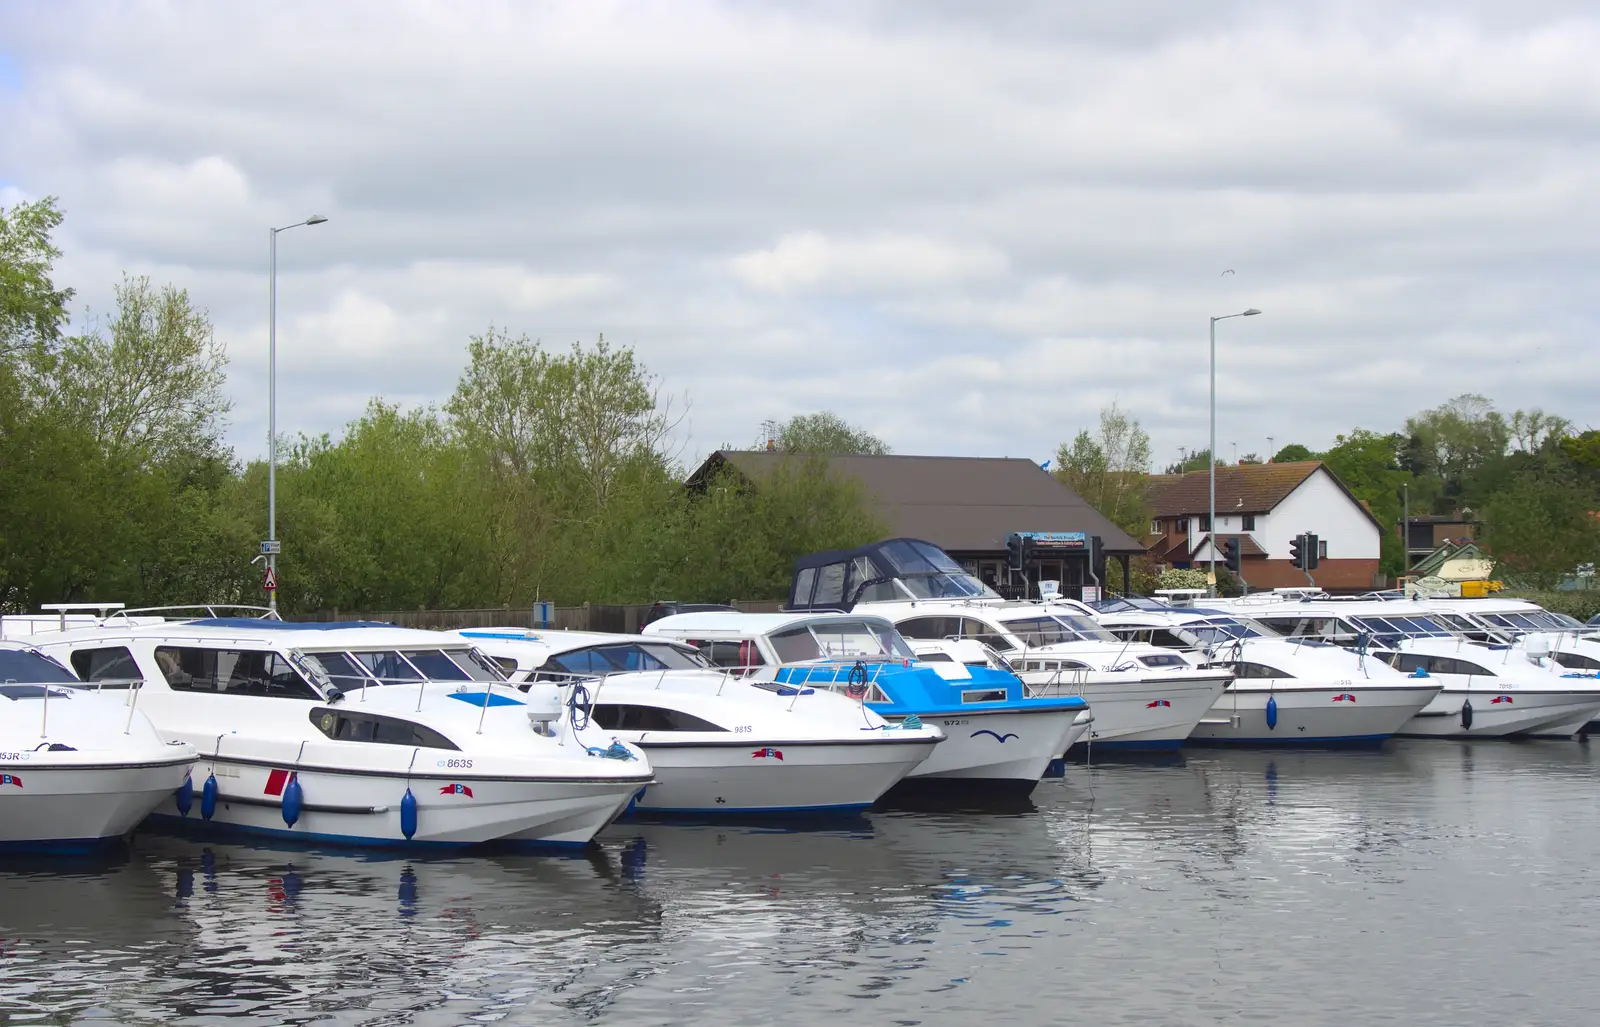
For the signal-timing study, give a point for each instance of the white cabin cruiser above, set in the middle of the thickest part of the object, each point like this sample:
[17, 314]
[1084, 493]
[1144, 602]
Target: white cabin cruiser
[1301, 692]
[361, 734]
[997, 739]
[1489, 691]
[78, 767]
[1142, 696]
[720, 742]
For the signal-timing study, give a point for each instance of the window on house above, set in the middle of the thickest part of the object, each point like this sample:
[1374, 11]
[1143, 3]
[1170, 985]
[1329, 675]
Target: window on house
[1322, 549]
[1181, 525]
[1205, 522]
[1155, 527]
[1247, 522]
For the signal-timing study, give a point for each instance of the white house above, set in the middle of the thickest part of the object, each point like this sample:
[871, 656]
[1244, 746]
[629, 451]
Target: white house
[1265, 506]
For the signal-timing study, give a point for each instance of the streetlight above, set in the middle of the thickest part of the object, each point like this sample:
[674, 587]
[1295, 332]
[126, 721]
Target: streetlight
[1211, 535]
[269, 548]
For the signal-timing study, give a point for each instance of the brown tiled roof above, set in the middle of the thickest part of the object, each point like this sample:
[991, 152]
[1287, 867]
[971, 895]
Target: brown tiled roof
[1241, 489]
[1244, 488]
[962, 504]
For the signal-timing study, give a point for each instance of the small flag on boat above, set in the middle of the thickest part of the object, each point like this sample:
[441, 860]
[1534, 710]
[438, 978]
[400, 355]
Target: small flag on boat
[768, 753]
[1501, 699]
[1344, 697]
[456, 789]
[10, 779]
[1152, 704]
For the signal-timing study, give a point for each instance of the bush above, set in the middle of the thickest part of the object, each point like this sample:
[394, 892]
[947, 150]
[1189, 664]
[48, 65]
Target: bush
[1581, 604]
[1174, 577]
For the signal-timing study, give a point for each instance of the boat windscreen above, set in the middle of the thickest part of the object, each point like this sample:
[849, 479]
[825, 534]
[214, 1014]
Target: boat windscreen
[1215, 630]
[947, 586]
[343, 672]
[1056, 629]
[33, 668]
[388, 667]
[847, 637]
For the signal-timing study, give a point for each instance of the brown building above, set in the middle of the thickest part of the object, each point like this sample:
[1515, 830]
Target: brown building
[967, 506]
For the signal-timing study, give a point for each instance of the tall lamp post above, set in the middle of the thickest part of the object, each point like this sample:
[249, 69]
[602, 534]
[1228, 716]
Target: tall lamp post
[270, 547]
[1211, 531]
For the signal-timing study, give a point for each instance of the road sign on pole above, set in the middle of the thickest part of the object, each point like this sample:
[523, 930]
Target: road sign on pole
[270, 583]
[271, 547]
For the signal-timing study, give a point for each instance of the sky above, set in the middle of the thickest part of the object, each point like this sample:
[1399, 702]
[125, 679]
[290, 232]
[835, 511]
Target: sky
[963, 227]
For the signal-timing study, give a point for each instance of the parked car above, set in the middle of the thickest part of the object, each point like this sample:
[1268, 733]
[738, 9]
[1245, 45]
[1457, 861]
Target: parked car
[669, 607]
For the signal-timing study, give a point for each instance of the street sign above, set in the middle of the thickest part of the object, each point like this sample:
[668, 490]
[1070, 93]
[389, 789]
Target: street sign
[271, 547]
[1055, 539]
[270, 583]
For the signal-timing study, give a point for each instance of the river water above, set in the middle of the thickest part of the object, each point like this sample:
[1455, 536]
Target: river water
[1427, 883]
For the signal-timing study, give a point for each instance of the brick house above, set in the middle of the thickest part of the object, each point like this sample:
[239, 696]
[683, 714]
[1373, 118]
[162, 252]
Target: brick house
[1265, 506]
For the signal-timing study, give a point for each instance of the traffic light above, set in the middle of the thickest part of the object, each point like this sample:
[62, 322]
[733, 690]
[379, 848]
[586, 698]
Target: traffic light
[1230, 554]
[1297, 555]
[1311, 551]
[1014, 551]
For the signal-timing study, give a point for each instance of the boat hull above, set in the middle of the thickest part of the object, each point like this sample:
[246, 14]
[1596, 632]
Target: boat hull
[65, 808]
[994, 748]
[1527, 714]
[777, 777]
[1333, 715]
[356, 808]
[1147, 713]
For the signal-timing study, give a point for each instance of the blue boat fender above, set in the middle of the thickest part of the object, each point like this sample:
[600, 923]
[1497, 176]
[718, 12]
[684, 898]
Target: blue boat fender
[408, 814]
[293, 799]
[184, 796]
[1272, 712]
[208, 796]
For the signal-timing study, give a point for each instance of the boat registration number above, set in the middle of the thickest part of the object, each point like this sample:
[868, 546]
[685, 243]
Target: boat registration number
[953, 723]
[14, 757]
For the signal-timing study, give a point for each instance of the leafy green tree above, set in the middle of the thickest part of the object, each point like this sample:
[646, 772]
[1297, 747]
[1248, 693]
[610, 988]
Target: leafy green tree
[826, 433]
[32, 309]
[1111, 470]
[1293, 452]
[1541, 527]
[152, 385]
[1197, 460]
[1368, 464]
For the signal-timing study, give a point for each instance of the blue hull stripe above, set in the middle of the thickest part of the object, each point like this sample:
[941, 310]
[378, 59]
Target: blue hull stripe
[59, 846]
[749, 811]
[1283, 740]
[1143, 745]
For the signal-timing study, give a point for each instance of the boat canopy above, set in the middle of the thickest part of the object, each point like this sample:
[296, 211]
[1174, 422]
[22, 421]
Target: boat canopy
[895, 570]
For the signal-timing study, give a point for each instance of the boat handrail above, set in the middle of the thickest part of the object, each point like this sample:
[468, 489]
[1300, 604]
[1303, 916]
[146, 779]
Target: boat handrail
[210, 610]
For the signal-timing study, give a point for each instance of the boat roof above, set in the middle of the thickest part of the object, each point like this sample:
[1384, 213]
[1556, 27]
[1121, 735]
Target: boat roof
[556, 641]
[733, 622]
[326, 635]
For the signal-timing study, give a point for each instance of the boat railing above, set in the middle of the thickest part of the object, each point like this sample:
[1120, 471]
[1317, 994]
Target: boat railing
[198, 611]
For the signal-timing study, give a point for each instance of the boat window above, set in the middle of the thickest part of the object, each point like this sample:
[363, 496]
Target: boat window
[830, 584]
[795, 645]
[507, 664]
[879, 592]
[233, 672]
[1453, 665]
[935, 658]
[1244, 669]
[1574, 661]
[972, 627]
[984, 695]
[113, 663]
[478, 666]
[35, 668]
[1037, 631]
[946, 586]
[343, 671]
[1054, 665]
[388, 667]
[1409, 662]
[1163, 660]
[931, 627]
[628, 717]
[803, 583]
[741, 655]
[347, 726]
[436, 665]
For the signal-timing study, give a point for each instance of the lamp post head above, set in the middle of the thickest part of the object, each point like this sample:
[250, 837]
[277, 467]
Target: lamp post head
[1252, 312]
[317, 219]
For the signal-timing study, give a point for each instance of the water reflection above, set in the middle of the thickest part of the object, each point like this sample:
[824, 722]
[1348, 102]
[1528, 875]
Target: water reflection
[1207, 887]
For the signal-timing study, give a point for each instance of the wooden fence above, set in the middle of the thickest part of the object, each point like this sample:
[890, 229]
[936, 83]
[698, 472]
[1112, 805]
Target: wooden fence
[588, 617]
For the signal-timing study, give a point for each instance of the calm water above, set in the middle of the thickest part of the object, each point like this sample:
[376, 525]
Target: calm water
[1431, 883]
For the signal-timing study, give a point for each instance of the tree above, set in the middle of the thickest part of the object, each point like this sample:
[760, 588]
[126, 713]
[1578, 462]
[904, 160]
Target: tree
[1293, 452]
[826, 433]
[1250, 458]
[154, 386]
[1197, 460]
[1368, 464]
[32, 309]
[1449, 445]
[1111, 470]
[1541, 527]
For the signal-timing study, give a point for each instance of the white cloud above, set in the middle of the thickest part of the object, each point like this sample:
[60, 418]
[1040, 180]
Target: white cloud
[966, 227]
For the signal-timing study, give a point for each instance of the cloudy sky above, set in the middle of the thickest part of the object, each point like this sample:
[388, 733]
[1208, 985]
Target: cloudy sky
[964, 230]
